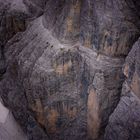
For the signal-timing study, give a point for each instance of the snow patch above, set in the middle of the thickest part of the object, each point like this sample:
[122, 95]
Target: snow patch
[9, 129]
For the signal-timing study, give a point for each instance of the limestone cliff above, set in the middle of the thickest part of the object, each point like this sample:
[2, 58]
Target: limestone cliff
[62, 62]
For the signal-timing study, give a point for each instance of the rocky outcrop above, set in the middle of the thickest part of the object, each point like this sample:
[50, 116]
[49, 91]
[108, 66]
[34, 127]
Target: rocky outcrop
[12, 20]
[14, 17]
[58, 83]
[110, 27]
[64, 72]
[124, 123]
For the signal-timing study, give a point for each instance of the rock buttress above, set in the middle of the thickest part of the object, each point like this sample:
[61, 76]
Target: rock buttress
[64, 73]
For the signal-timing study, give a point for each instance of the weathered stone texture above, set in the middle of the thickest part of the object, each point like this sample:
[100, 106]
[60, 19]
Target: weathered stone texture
[64, 72]
[124, 123]
[109, 27]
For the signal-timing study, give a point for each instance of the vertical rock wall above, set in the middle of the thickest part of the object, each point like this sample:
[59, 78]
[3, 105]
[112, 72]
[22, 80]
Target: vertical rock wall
[64, 72]
[124, 123]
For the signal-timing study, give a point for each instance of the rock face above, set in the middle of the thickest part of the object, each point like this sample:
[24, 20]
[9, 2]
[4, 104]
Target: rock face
[124, 123]
[110, 27]
[12, 20]
[64, 76]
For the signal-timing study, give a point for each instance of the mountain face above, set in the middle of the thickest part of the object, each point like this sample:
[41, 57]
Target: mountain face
[70, 69]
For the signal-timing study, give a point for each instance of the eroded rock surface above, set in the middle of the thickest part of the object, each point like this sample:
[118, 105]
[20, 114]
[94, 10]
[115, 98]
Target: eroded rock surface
[64, 72]
[124, 123]
[110, 27]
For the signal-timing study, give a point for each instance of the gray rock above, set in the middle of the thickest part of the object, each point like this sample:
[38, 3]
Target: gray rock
[64, 72]
[124, 123]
